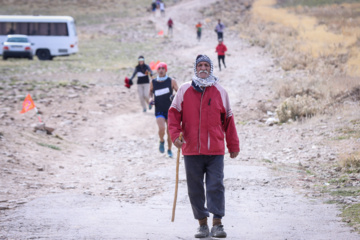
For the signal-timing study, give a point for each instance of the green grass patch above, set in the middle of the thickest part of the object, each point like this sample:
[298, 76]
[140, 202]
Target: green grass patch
[340, 180]
[108, 53]
[343, 137]
[49, 146]
[348, 132]
[345, 193]
[331, 202]
[351, 215]
[105, 54]
[267, 160]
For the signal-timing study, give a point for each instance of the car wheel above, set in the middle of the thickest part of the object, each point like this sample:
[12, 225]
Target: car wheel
[30, 57]
[43, 54]
[4, 57]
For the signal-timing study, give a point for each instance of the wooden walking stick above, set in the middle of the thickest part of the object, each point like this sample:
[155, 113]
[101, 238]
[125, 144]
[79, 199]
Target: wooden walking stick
[177, 180]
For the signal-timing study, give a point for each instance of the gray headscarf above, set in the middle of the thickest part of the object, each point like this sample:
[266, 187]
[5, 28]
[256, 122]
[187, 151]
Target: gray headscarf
[204, 82]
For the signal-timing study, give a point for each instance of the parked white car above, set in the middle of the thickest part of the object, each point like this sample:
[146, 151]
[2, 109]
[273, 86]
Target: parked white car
[17, 46]
[52, 36]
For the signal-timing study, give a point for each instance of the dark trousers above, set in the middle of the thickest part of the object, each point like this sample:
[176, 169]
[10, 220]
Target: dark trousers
[212, 168]
[220, 35]
[223, 60]
[198, 35]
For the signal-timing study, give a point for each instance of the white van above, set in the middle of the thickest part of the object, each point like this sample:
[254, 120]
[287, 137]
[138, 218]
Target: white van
[51, 35]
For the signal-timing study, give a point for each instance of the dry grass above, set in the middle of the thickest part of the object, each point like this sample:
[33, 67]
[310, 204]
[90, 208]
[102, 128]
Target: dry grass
[350, 162]
[329, 89]
[312, 3]
[327, 94]
[297, 107]
[325, 79]
[324, 82]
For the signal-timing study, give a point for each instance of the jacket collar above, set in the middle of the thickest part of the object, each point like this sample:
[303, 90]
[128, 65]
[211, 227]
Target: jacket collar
[196, 87]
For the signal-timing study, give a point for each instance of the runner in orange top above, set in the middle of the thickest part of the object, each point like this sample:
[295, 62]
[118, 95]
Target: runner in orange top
[198, 30]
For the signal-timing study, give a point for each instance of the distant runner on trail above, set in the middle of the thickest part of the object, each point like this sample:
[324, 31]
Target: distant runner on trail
[162, 8]
[198, 31]
[221, 49]
[153, 6]
[170, 24]
[201, 111]
[142, 71]
[219, 29]
[162, 89]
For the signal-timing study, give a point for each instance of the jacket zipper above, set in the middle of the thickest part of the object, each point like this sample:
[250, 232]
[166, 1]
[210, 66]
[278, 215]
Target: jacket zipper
[208, 130]
[200, 119]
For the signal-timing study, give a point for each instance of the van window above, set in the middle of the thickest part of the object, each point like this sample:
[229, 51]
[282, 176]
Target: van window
[34, 28]
[21, 28]
[7, 28]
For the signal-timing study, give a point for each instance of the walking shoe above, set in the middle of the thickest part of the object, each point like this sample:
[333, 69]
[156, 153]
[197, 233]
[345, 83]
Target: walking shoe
[150, 106]
[202, 232]
[162, 147]
[170, 153]
[144, 110]
[218, 231]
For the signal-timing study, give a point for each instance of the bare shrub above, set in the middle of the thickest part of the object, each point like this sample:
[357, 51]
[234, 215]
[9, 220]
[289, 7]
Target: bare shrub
[294, 60]
[341, 89]
[297, 107]
[285, 89]
[350, 162]
[265, 106]
[310, 86]
[351, 95]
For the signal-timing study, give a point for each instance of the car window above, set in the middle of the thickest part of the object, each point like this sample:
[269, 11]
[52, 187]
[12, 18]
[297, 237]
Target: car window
[24, 40]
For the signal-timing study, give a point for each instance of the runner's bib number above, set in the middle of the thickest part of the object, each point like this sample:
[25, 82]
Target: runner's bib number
[160, 92]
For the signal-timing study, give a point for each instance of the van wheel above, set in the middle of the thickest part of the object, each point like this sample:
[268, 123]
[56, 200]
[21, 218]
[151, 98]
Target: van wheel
[43, 54]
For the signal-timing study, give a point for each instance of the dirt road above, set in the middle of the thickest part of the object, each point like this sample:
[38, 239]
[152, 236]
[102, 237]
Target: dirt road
[112, 183]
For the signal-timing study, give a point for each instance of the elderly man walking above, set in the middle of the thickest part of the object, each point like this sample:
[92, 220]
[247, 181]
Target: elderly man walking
[201, 111]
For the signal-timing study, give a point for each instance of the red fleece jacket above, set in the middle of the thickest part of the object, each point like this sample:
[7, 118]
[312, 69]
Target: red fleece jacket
[221, 49]
[205, 119]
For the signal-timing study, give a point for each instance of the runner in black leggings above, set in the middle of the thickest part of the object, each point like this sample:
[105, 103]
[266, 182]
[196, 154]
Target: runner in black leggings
[221, 49]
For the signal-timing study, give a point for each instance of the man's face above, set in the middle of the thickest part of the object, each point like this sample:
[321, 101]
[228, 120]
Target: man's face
[161, 71]
[203, 69]
[141, 62]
